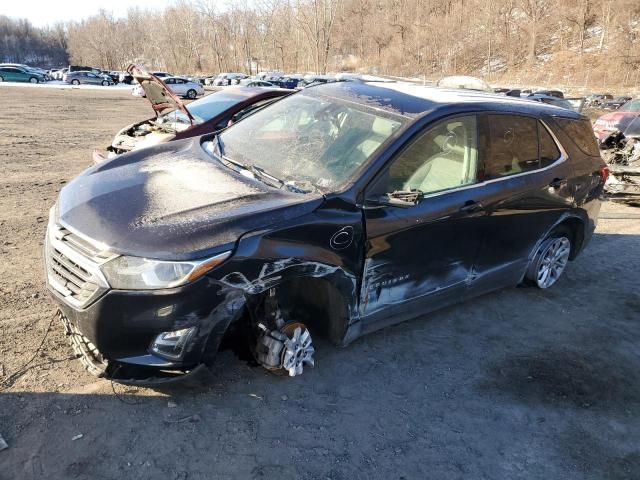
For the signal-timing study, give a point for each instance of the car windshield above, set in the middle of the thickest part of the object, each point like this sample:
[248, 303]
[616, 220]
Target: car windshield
[309, 138]
[204, 109]
[632, 106]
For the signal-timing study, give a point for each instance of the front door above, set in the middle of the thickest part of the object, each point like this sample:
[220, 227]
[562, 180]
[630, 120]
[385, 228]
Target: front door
[420, 254]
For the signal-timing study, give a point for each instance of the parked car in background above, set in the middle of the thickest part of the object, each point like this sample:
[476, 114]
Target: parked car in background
[81, 68]
[614, 103]
[617, 120]
[196, 79]
[40, 72]
[178, 85]
[292, 80]
[59, 74]
[19, 74]
[162, 74]
[550, 93]
[225, 79]
[252, 82]
[335, 212]
[175, 120]
[126, 78]
[312, 79]
[115, 75]
[595, 99]
[87, 78]
[550, 100]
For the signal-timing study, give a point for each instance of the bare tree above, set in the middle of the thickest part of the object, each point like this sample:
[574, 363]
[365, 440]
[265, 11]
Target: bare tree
[536, 11]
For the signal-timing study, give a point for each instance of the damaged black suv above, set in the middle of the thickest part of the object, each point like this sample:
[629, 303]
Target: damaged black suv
[336, 211]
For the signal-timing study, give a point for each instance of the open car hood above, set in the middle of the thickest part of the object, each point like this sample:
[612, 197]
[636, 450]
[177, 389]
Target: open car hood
[161, 98]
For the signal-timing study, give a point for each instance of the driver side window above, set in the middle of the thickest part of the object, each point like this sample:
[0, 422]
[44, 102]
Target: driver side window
[443, 157]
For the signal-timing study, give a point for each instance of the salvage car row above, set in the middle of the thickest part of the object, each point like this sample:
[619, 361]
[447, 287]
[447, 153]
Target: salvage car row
[331, 212]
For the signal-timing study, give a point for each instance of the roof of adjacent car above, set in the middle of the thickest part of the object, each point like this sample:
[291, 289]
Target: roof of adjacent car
[413, 100]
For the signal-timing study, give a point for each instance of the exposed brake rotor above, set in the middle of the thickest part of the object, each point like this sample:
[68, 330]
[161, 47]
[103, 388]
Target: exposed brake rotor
[286, 350]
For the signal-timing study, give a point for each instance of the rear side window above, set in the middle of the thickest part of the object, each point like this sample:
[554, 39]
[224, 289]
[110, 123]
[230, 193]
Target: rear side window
[549, 152]
[581, 132]
[509, 144]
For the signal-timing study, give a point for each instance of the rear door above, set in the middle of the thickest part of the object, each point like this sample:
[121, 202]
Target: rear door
[527, 174]
[11, 74]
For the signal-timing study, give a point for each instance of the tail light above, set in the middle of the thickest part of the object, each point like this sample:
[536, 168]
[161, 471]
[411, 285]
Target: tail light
[604, 173]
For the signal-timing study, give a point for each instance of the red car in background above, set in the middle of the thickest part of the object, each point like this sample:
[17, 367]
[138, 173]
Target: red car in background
[618, 120]
[175, 120]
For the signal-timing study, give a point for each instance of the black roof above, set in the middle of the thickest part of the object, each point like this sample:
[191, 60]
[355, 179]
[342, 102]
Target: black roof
[414, 101]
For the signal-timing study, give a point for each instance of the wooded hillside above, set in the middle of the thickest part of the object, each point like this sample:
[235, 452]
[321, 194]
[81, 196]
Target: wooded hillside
[572, 42]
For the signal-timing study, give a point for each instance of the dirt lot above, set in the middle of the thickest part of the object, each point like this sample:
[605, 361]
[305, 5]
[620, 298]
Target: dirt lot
[521, 383]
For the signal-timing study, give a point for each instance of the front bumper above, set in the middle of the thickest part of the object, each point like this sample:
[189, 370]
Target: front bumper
[113, 335]
[96, 364]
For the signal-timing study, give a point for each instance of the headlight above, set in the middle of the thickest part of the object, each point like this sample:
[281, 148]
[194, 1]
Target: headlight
[136, 273]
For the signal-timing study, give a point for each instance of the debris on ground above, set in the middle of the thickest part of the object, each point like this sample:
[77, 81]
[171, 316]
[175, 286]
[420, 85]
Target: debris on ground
[191, 418]
[621, 151]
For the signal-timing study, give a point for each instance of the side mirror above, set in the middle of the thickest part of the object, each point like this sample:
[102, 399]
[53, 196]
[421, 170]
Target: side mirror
[398, 198]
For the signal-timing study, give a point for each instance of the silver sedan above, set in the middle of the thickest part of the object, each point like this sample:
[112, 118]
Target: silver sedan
[87, 78]
[180, 86]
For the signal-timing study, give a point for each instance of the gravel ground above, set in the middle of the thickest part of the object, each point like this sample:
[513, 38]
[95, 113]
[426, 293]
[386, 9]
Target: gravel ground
[518, 384]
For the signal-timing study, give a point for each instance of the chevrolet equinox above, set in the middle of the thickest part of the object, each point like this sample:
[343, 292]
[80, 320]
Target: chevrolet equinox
[336, 211]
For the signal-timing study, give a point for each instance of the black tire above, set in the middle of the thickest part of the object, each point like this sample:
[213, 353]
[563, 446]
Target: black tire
[551, 258]
[191, 94]
[75, 82]
[34, 80]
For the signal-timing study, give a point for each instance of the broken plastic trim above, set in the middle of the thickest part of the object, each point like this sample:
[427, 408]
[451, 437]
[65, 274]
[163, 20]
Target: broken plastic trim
[126, 374]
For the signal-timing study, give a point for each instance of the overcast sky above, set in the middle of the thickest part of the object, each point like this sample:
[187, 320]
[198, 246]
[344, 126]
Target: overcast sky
[43, 12]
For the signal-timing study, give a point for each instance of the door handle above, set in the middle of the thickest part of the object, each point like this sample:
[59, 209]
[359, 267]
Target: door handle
[557, 182]
[471, 206]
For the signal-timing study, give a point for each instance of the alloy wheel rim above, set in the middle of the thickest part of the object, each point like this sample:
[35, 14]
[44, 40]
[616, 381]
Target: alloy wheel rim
[553, 262]
[298, 349]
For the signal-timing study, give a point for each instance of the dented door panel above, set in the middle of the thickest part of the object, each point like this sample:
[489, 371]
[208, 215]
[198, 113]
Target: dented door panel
[418, 258]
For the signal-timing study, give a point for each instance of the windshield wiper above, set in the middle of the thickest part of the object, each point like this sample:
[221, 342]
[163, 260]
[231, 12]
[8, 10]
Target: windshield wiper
[257, 172]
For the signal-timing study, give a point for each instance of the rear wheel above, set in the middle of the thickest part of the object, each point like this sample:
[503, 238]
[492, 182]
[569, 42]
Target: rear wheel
[75, 82]
[191, 94]
[33, 80]
[551, 259]
[105, 83]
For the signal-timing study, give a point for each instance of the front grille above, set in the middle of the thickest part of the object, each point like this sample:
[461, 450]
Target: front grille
[73, 267]
[82, 246]
[72, 276]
